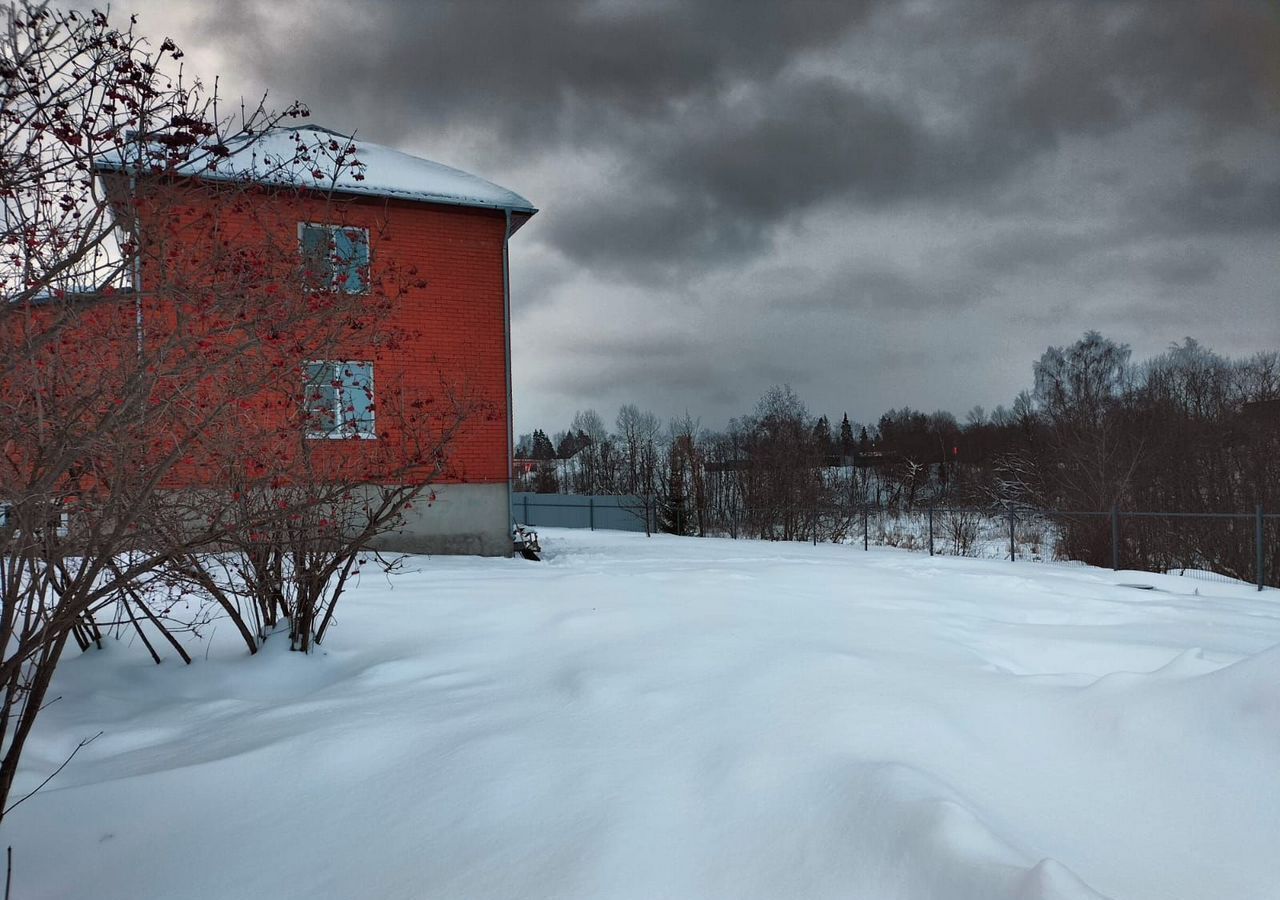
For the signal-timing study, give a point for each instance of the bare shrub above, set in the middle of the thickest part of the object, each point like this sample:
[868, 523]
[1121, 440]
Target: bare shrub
[962, 528]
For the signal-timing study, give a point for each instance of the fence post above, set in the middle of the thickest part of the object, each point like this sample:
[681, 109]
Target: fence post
[931, 529]
[864, 526]
[1013, 546]
[525, 498]
[1259, 529]
[1115, 536]
[591, 512]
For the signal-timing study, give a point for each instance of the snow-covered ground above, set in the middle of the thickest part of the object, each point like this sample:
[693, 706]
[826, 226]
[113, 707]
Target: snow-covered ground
[663, 717]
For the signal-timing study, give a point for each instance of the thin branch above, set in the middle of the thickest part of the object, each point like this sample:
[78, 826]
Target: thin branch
[85, 742]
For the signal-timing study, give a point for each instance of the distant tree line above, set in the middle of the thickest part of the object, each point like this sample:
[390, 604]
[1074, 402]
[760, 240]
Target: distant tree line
[1187, 431]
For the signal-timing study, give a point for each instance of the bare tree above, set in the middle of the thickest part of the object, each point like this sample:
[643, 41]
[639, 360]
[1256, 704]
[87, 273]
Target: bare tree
[639, 461]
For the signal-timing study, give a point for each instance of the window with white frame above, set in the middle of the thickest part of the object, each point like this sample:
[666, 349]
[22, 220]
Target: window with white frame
[338, 399]
[335, 257]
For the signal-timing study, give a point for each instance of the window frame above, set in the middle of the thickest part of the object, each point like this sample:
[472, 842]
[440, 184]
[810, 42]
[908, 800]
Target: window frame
[333, 285]
[341, 431]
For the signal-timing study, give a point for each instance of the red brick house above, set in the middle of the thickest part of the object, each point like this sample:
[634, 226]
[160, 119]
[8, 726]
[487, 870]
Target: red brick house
[450, 230]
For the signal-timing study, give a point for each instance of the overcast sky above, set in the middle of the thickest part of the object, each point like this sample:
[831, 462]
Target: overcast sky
[881, 203]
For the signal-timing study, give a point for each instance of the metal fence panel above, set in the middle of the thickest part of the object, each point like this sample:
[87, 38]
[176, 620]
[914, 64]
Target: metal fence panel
[617, 513]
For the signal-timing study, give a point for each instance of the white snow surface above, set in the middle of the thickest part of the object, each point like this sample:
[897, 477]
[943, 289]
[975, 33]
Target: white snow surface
[272, 158]
[671, 717]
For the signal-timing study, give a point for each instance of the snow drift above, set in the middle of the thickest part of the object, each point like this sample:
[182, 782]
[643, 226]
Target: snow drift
[686, 718]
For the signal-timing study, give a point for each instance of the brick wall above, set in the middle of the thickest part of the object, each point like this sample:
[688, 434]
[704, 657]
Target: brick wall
[440, 267]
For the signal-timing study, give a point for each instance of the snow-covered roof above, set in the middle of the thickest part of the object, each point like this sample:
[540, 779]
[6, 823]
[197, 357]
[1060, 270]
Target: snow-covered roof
[314, 157]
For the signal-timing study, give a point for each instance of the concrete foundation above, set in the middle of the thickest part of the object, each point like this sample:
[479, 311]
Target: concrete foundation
[463, 519]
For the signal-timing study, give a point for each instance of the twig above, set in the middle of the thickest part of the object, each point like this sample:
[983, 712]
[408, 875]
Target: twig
[80, 746]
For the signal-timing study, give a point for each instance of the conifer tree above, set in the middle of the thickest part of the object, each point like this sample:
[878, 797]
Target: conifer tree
[675, 514]
[542, 447]
[822, 435]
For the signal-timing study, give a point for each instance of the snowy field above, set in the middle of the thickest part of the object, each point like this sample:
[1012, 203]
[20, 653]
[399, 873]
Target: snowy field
[663, 717]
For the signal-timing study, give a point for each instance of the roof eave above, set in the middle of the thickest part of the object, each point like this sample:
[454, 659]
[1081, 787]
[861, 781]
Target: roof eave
[520, 213]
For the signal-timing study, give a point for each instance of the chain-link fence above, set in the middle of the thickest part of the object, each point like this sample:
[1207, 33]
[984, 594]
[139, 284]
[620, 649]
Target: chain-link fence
[1241, 547]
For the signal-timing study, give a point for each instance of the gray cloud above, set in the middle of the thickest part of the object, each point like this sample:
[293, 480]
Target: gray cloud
[717, 142]
[1215, 197]
[1186, 267]
[800, 144]
[551, 70]
[1034, 247]
[659, 347]
[718, 183]
[869, 286]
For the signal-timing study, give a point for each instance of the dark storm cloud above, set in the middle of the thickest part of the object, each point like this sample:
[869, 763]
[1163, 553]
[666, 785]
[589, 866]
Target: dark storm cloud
[641, 346]
[1095, 64]
[870, 286]
[1184, 267]
[718, 182]
[803, 143]
[884, 290]
[1218, 57]
[617, 374]
[648, 235]
[1033, 247]
[537, 71]
[716, 143]
[1215, 197]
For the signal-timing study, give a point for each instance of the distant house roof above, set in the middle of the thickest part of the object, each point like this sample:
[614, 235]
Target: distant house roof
[293, 156]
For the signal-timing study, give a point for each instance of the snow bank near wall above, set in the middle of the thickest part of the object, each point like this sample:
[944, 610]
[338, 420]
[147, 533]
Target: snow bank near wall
[672, 717]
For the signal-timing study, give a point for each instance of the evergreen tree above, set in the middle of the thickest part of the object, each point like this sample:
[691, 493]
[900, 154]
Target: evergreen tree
[846, 436]
[568, 446]
[542, 448]
[822, 435]
[675, 513]
[545, 479]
